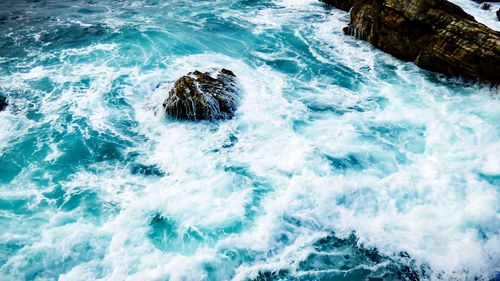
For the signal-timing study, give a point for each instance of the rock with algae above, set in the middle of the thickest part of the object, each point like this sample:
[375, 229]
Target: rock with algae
[200, 95]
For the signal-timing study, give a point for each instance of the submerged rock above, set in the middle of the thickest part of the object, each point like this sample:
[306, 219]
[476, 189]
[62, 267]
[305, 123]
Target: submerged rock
[436, 34]
[147, 170]
[3, 103]
[203, 96]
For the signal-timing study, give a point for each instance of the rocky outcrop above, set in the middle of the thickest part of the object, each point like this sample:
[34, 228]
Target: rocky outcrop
[3, 103]
[436, 34]
[203, 96]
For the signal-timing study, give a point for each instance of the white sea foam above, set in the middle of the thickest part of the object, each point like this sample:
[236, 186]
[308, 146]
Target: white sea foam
[433, 224]
[90, 49]
[419, 190]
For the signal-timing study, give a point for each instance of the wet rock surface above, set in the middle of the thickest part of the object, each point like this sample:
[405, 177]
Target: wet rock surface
[200, 95]
[436, 34]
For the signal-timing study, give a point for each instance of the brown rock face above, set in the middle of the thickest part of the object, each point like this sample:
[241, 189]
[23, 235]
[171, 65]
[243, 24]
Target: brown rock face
[203, 96]
[436, 34]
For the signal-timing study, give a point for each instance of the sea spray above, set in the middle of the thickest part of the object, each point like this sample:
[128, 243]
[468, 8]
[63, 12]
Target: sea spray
[341, 162]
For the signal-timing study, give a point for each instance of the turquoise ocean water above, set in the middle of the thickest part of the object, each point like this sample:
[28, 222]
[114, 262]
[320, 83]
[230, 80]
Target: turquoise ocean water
[342, 163]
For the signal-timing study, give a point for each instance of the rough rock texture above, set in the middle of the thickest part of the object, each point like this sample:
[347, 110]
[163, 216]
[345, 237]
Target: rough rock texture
[203, 96]
[3, 103]
[436, 34]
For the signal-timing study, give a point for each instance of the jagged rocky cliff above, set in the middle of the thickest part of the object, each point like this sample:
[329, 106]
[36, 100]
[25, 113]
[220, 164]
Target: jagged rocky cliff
[436, 34]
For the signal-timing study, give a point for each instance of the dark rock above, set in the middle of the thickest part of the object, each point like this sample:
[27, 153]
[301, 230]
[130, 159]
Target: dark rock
[203, 96]
[3, 103]
[485, 6]
[498, 14]
[345, 5]
[436, 34]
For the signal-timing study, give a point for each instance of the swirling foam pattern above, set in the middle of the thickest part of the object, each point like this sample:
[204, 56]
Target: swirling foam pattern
[342, 163]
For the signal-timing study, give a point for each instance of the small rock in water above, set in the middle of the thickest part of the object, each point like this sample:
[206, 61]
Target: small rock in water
[485, 6]
[203, 96]
[3, 103]
[498, 14]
